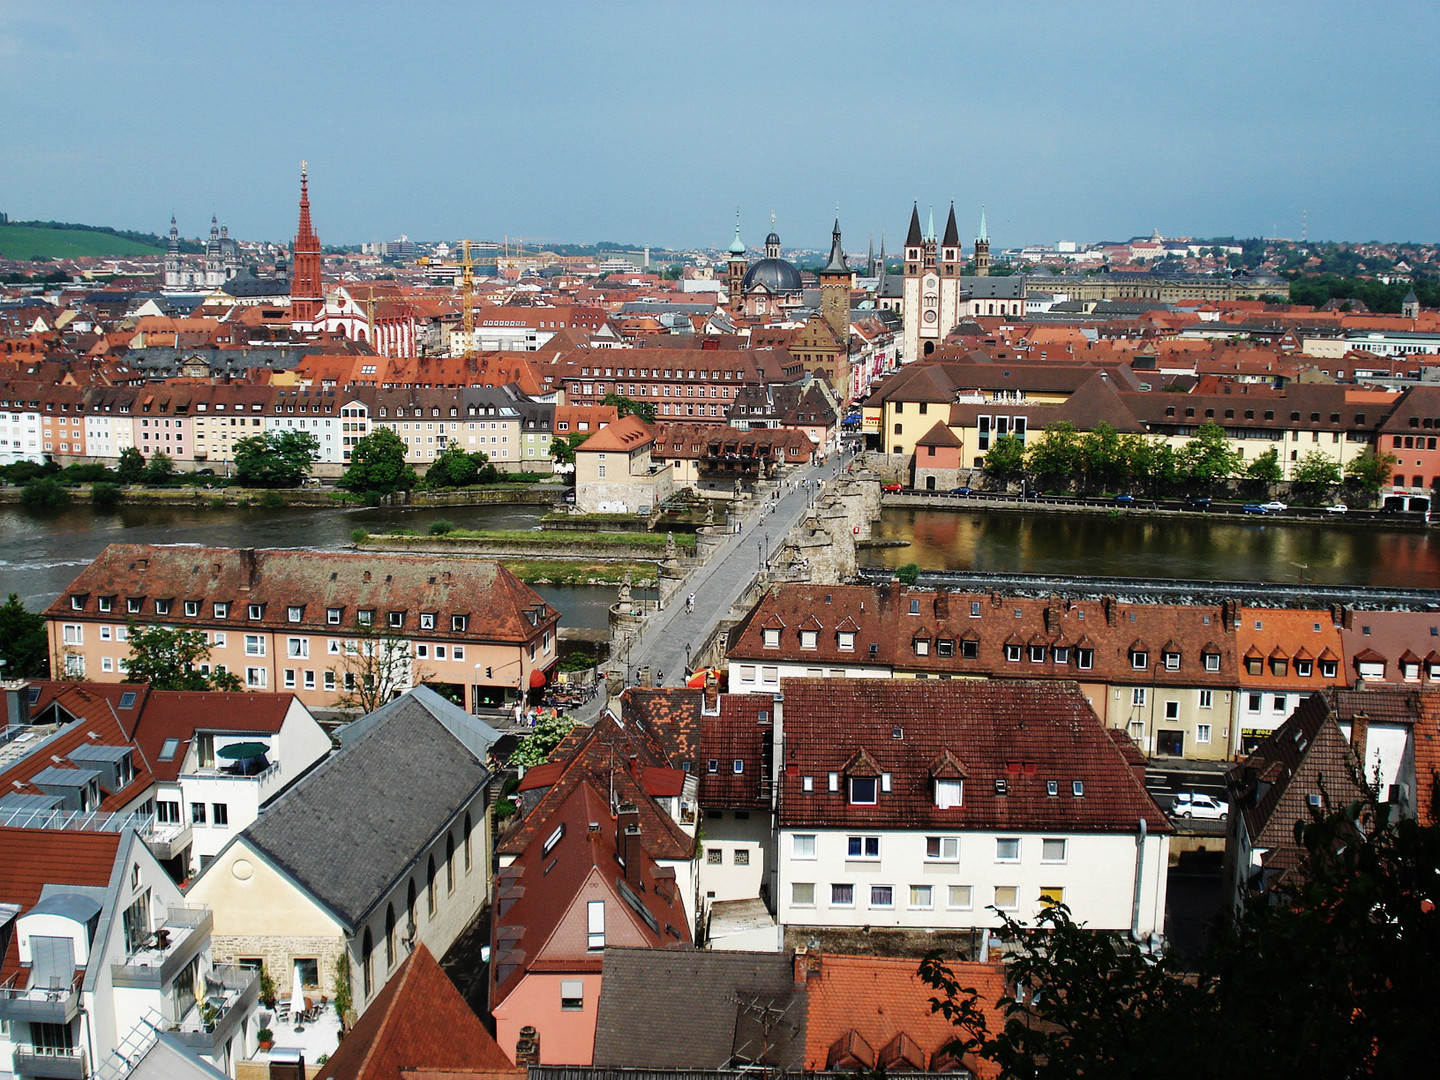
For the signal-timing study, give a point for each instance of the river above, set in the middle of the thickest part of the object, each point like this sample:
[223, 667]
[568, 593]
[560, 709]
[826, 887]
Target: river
[1185, 546]
[41, 551]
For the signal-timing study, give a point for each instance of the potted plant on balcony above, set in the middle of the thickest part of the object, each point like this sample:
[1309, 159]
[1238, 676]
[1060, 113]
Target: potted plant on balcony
[208, 1015]
[266, 1038]
[267, 989]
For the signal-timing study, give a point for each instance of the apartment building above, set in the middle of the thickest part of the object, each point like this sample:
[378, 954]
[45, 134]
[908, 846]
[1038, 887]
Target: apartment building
[314, 623]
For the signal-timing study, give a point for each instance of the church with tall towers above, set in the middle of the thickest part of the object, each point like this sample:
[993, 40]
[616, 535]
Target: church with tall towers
[307, 291]
[221, 260]
[938, 295]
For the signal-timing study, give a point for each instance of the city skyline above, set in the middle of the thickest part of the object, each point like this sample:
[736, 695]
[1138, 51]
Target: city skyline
[599, 122]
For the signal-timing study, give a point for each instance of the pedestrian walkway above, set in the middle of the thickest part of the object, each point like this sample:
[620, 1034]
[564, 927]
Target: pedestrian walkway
[668, 638]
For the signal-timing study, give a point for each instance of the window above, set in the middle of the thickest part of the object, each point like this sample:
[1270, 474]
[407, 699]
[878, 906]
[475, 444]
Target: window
[254, 644]
[430, 892]
[458, 623]
[162, 607]
[948, 793]
[297, 648]
[365, 616]
[220, 813]
[192, 607]
[742, 857]
[133, 604]
[1172, 661]
[922, 897]
[1253, 702]
[427, 620]
[1212, 661]
[842, 894]
[295, 612]
[572, 995]
[1037, 654]
[595, 925]
[397, 619]
[772, 639]
[1304, 668]
[738, 766]
[1052, 894]
[1137, 695]
[714, 856]
[802, 846]
[167, 812]
[332, 616]
[1012, 653]
[1202, 733]
[106, 603]
[1077, 788]
[1052, 850]
[802, 893]
[1007, 849]
[957, 898]
[1207, 699]
[1085, 658]
[74, 634]
[197, 813]
[1139, 659]
[942, 848]
[1172, 710]
[846, 640]
[1006, 898]
[1327, 669]
[969, 649]
[862, 790]
[255, 611]
[862, 847]
[922, 646]
[882, 896]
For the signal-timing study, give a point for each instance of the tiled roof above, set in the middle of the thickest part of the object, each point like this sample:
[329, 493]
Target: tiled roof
[30, 859]
[1012, 737]
[178, 714]
[878, 1003]
[95, 723]
[1275, 635]
[737, 733]
[670, 715]
[386, 794]
[623, 436]
[418, 1021]
[495, 603]
[1386, 635]
[721, 1021]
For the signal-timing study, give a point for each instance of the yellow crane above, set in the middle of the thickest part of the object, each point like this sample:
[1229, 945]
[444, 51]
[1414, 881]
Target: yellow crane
[466, 266]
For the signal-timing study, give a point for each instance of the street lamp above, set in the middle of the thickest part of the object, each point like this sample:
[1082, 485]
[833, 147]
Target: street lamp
[760, 552]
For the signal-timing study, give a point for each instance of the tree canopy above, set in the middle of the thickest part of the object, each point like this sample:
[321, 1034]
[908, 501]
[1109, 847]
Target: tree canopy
[170, 659]
[23, 645]
[276, 459]
[377, 465]
[1370, 471]
[1005, 460]
[455, 467]
[131, 466]
[625, 406]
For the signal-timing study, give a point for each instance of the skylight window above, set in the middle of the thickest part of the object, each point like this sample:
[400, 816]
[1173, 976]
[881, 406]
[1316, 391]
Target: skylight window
[127, 699]
[169, 749]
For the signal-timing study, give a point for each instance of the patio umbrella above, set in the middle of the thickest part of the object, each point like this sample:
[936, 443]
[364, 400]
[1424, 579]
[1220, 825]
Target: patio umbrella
[241, 750]
[297, 993]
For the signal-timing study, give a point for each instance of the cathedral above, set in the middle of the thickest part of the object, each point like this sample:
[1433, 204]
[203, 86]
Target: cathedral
[938, 297]
[770, 286]
[222, 261]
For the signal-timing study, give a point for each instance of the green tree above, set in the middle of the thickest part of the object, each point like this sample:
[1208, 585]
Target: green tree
[1266, 467]
[542, 741]
[625, 406]
[1330, 977]
[1054, 457]
[375, 666]
[131, 466]
[1371, 471]
[1208, 458]
[1315, 474]
[44, 492]
[160, 468]
[377, 465]
[562, 447]
[170, 658]
[456, 468]
[23, 645]
[276, 459]
[1005, 460]
[1105, 457]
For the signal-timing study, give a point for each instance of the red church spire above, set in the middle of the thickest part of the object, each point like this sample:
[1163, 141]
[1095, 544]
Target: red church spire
[307, 296]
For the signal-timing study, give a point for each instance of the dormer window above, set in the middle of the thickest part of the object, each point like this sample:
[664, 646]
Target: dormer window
[1254, 665]
[365, 616]
[458, 623]
[427, 620]
[105, 603]
[133, 605]
[77, 603]
[222, 611]
[949, 793]
[1085, 659]
[922, 646]
[1212, 661]
[771, 638]
[1304, 668]
[295, 612]
[1328, 668]
[1061, 654]
[397, 619]
[192, 607]
[863, 790]
[1037, 654]
[254, 611]
[845, 640]
[162, 607]
[1172, 661]
[1012, 652]
[1279, 665]
[333, 616]
[1139, 659]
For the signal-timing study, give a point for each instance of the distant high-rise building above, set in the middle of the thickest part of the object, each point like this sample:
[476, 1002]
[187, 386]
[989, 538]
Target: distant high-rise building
[307, 294]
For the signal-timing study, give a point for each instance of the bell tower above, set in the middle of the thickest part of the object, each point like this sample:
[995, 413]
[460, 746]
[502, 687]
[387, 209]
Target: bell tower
[735, 267]
[307, 296]
[982, 249]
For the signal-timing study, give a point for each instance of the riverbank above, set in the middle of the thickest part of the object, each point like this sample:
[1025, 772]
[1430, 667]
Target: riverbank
[221, 497]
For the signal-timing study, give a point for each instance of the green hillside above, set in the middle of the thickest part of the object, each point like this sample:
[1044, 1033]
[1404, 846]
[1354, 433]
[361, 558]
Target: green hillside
[47, 240]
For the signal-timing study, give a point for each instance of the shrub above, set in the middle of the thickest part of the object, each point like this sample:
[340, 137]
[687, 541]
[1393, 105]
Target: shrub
[272, 500]
[46, 491]
[908, 574]
[358, 536]
[106, 494]
[441, 527]
[504, 809]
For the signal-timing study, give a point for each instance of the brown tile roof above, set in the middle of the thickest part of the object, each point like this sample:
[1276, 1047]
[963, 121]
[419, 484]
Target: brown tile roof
[418, 1021]
[1009, 735]
[30, 859]
[623, 436]
[494, 601]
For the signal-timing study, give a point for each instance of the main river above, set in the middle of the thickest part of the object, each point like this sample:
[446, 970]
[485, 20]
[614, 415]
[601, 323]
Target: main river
[41, 551]
[1184, 545]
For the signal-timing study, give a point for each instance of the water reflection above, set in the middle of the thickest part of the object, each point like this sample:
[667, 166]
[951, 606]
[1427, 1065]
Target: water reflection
[1183, 546]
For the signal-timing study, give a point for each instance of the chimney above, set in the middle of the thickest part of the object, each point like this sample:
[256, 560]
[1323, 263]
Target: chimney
[527, 1047]
[247, 568]
[627, 841]
[1360, 734]
[710, 705]
[1107, 605]
[807, 965]
[17, 702]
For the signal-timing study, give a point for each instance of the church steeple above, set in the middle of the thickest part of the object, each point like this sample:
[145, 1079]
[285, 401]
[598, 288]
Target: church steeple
[927, 259]
[950, 246]
[836, 263]
[772, 242]
[982, 249]
[835, 284]
[306, 290]
[735, 268]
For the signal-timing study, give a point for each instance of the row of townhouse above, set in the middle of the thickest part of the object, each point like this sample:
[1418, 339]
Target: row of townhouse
[323, 625]
[198, 425]
[923, 807]
[1199, 681]
[945, 416]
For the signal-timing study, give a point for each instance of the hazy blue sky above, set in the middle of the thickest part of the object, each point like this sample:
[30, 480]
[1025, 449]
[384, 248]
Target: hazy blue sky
[653, 122]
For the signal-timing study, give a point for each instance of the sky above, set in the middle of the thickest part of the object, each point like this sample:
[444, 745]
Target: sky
[655, 123]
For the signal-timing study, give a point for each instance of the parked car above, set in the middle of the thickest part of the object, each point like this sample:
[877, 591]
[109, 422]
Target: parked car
[1253, 508]
[891, 489]
[960, 491]
[1125, 500]
[1274, 507]
[1189, 804]
[1338, 508]
[1200, 502]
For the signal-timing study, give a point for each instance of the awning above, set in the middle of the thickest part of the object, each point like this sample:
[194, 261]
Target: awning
[537, 679]
[241, 750]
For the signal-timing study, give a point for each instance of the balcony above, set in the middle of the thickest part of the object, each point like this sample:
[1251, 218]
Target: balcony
[231, 994]
[166, 952]
[38, 1005]
[169, 841]
[45, 1061]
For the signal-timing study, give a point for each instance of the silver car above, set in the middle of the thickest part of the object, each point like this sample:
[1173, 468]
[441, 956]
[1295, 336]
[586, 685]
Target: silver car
[1195, 805]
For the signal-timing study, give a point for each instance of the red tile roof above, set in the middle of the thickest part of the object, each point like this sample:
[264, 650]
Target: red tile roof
[418, 1022]
[30, 859]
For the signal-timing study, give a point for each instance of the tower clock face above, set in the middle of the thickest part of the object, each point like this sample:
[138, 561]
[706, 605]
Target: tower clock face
[929, 316]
